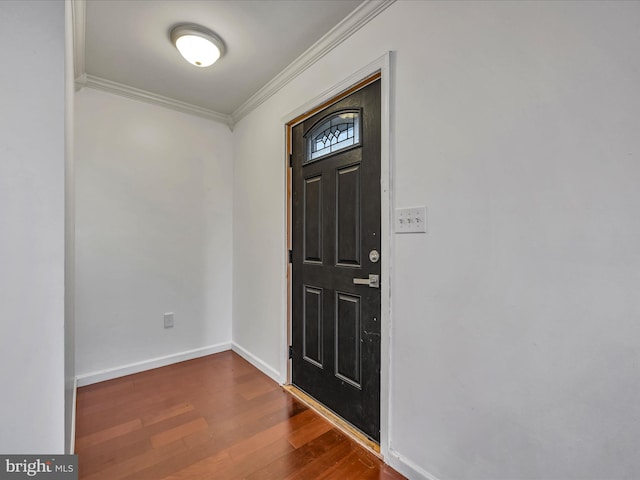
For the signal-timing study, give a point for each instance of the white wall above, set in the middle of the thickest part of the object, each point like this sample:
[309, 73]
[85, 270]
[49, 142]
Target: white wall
[32, 165]
[258, 235]
[70, 235]
[516, 340]
[153, 231]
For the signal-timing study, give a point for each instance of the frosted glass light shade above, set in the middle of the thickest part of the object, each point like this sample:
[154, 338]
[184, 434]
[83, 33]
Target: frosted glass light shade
[197, 45]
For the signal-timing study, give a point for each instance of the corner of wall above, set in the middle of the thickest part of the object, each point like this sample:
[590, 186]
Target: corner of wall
[257, 362]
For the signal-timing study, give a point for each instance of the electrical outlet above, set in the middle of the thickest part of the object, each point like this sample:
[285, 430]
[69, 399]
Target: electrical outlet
[168, 320]
[411, 220]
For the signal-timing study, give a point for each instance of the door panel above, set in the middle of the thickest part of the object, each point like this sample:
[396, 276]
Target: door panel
[312, 325]
[348, 216]
[313, 219]
[348, 338]
[335, 323]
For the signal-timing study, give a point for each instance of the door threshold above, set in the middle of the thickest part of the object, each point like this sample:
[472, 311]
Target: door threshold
[335, 420]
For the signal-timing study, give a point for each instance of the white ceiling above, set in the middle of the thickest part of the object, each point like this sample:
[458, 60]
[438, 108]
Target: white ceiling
[128, 42]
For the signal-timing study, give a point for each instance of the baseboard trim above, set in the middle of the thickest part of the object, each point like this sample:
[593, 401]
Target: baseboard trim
[137, 367]
[407, 467]
[72, 443]
[256, 362]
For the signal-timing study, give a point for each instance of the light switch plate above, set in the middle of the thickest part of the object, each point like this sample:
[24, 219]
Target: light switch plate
[168, 320]
[411, 220]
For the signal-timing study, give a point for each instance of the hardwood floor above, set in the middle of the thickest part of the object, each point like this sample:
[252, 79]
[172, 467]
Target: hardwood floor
[215, 417]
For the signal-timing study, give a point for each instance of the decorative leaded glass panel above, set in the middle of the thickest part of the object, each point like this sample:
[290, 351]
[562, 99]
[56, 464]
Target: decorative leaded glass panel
[336, 133]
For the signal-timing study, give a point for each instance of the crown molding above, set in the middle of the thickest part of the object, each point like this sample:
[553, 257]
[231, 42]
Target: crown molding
[79, 20]
[362, 15]
[78, 13]
[121, 89]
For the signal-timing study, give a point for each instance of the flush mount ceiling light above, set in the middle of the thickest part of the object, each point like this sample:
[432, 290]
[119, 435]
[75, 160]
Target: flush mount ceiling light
[198, 45]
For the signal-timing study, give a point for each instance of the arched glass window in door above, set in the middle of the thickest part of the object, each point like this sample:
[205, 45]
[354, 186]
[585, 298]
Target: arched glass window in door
[333, 134]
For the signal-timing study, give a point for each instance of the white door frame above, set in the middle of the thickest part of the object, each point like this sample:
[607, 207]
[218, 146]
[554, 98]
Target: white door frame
[382, 65]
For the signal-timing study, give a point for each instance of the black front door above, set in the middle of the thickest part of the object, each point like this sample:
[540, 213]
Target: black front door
[336, 268]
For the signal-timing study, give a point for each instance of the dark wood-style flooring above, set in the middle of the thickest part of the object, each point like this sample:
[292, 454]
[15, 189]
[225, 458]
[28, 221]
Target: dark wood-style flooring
[215, 417]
